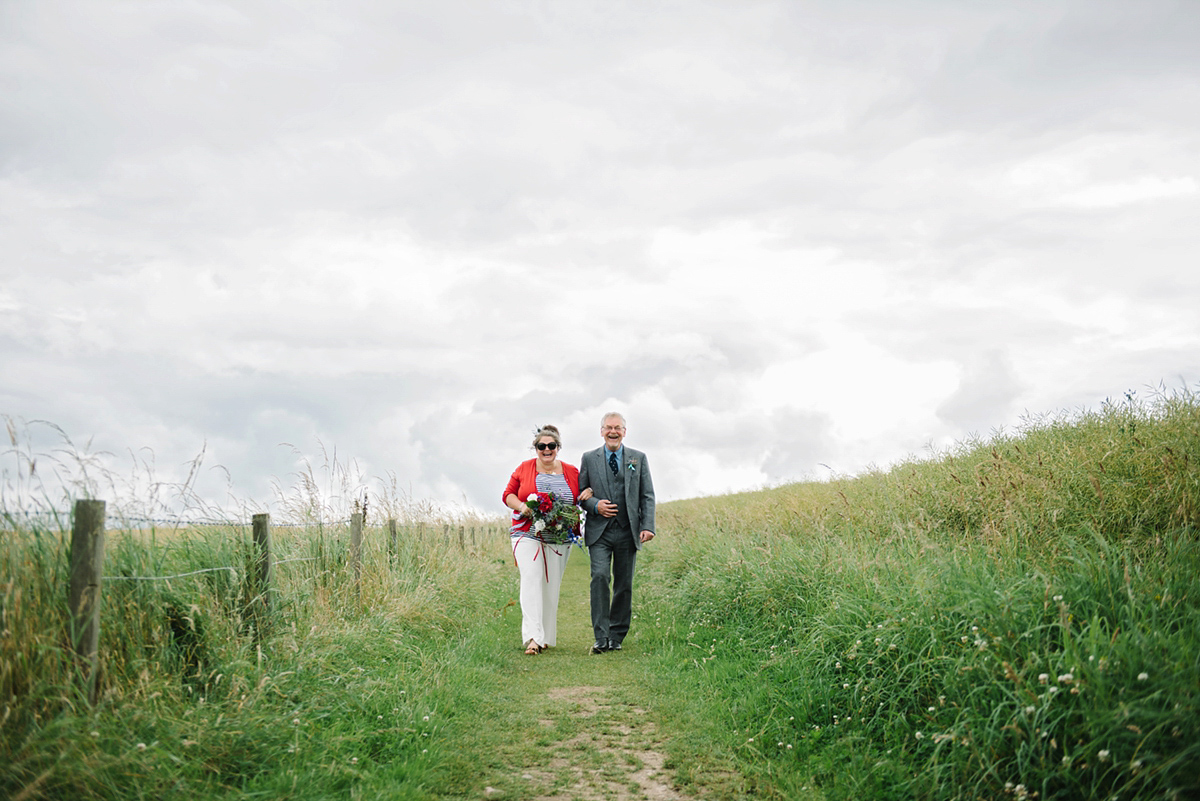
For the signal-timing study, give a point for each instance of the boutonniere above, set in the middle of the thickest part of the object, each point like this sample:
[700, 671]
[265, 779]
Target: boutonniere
[632, 467]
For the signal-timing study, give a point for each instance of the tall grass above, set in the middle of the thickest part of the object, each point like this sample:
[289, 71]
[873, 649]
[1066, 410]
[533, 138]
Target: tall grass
[190, 704]
[1016, 618]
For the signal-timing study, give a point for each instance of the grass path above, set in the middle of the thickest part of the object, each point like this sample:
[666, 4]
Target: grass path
[567, 724]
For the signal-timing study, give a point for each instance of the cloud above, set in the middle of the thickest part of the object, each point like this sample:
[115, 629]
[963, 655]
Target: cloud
[774, 235]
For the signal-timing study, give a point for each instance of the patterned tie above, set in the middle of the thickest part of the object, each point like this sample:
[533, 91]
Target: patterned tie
[612, 463]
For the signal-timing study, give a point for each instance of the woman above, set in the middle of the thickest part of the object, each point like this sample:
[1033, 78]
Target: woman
[541, 564]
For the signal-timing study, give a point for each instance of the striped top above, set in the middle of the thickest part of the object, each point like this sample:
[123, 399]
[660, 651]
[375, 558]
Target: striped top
[549, 482]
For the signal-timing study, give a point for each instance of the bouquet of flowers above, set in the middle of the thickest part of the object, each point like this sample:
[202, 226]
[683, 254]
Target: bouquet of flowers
[554, 521]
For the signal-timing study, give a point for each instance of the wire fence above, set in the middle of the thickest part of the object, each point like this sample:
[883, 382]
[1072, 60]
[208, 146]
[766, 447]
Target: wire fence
[50, 518]
[88, 524]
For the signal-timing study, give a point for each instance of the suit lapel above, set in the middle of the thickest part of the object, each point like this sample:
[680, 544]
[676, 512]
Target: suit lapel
[629, 472]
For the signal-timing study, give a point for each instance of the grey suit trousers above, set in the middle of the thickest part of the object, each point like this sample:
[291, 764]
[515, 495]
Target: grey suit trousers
[615, 554]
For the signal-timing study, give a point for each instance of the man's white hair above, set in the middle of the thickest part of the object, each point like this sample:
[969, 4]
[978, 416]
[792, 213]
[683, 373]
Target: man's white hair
[609, 415]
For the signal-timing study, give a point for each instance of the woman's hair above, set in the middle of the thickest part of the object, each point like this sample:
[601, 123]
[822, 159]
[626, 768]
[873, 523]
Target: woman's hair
[547, 431]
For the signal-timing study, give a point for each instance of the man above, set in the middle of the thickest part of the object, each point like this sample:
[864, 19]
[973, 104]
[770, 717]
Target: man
[620, 519]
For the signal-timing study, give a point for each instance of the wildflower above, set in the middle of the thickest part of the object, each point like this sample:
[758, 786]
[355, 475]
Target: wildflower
[892, 647]
[295, 721]
[965, 638]
[920, 735]
[845, 686]
[1058, 597]
[379, 717]
[426, 718]
[780, 743]
[1103, 755]
[1143, 676]
[353, 760]
[1065, 678]
[750, 740]
[141, 746]
[878, 640]
[930, 709]
[789, 747]
[1029, 710]
[95, 734]
[1043, 678]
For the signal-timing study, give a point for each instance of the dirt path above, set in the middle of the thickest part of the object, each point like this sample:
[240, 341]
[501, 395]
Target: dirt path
[584, 729]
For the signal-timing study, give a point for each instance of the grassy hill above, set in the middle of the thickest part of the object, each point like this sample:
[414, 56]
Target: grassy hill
[1015, 618]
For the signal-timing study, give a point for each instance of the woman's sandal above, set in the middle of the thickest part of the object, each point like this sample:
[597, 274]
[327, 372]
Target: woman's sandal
[532, 648]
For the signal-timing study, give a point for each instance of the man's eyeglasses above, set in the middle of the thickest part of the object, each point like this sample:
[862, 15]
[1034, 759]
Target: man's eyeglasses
[547, 446]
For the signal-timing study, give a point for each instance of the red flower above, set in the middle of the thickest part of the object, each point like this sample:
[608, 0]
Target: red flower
[545, 502]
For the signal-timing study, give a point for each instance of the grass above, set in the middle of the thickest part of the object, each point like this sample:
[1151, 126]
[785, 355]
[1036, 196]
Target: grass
[191, 706]
[1015, 618]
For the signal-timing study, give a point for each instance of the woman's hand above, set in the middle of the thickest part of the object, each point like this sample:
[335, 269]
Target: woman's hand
[587, 493]
[524, 510]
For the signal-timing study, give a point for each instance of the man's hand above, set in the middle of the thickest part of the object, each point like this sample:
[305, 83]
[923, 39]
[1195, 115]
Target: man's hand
[606, 508]
[647, 536]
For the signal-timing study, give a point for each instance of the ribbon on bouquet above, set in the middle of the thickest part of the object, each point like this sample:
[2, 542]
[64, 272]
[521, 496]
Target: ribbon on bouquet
[545, 565]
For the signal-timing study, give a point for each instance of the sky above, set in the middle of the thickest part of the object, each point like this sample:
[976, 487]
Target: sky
[787, 240]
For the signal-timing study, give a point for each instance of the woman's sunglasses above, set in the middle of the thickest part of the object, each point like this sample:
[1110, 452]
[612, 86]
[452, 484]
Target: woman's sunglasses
[547, 446]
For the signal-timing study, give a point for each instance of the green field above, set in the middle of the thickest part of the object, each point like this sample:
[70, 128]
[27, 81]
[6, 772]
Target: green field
[1015, 618]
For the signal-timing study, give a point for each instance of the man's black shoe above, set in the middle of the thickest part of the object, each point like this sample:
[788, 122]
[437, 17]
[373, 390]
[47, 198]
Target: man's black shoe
[613, 645]
[599, 647]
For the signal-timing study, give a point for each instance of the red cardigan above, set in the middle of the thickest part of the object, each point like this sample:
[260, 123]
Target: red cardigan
[523, 483]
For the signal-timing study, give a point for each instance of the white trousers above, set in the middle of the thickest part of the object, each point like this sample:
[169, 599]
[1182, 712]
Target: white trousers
[541, 568]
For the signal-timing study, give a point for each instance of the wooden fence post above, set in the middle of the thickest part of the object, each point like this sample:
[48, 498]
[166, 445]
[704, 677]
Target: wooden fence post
[356, 527]
[462, 539]
[258, 576]
[87, 568]
[392, 538]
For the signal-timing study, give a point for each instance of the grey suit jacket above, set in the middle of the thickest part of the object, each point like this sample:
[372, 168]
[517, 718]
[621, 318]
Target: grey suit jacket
[638, 502]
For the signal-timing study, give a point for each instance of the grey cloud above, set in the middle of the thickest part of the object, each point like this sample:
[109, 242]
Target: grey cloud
[985, 395]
